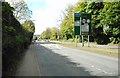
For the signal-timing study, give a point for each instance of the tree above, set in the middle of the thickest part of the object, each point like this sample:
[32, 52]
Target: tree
[48, 33]
[29, 28]
[109, 17]
[15, 39]
[51, 33]
[80, 7]
[34, 38]
[43, 35]
[21, 11]
[95, 9]
[55, 33]
[105, 20]
[68, 23]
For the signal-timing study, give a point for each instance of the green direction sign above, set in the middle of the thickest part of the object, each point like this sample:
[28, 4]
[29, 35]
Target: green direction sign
[77, 23]
[82, 24]
[85, 24]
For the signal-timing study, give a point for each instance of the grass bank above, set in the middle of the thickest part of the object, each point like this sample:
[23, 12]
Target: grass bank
[92, 49]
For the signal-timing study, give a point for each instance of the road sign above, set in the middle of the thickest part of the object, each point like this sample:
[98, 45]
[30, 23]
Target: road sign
[85, 24]
[82, 24]
[77, 23]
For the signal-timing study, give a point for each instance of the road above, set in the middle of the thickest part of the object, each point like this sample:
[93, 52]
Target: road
[54, 60]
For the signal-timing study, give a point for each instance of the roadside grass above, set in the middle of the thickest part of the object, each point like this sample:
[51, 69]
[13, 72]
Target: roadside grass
[111, 44]
[101, 51]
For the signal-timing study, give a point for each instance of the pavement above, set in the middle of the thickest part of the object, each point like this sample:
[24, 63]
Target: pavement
[49, 59]
[29, 65]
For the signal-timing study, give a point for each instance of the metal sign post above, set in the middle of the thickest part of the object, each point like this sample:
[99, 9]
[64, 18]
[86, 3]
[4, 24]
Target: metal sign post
[77, 23]
[82, 41]
[85, 26]
[76, 26]
[82, 26]
[88, 41]
[76, 41]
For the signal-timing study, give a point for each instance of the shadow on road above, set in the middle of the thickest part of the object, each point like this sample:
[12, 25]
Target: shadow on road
[53, 64]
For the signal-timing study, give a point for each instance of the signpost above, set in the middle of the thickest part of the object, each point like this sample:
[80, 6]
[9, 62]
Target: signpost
[77, 23]
[82, 26]
[77, 26]
[85, 24]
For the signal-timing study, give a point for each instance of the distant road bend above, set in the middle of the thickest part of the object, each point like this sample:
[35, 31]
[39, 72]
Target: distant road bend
[54, 60]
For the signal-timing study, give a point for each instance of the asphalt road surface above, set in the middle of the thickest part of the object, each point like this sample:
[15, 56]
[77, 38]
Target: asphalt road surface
[50, 59]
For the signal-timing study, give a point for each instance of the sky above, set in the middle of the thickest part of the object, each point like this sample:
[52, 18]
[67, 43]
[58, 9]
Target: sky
[47, 13]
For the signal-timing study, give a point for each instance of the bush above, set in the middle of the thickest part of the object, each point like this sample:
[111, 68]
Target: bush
[71, 40]
[102, 39]
[14, 40]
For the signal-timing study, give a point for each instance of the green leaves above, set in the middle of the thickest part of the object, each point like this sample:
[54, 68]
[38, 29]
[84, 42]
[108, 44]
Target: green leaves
[67, 24]
[104, 14]
[21, 12]
[29, 26]
[6, 7]
[15, 38]
[50, 33]
[9, 29]
[116, 31]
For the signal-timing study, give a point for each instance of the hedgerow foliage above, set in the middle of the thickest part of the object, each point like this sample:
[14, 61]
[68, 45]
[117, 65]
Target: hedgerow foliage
[15, 38]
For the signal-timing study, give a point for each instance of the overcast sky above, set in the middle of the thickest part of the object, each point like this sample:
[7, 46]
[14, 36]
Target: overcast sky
[46, 13]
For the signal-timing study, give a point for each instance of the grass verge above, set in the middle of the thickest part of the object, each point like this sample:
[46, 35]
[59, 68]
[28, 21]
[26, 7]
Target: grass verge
[101, 51]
